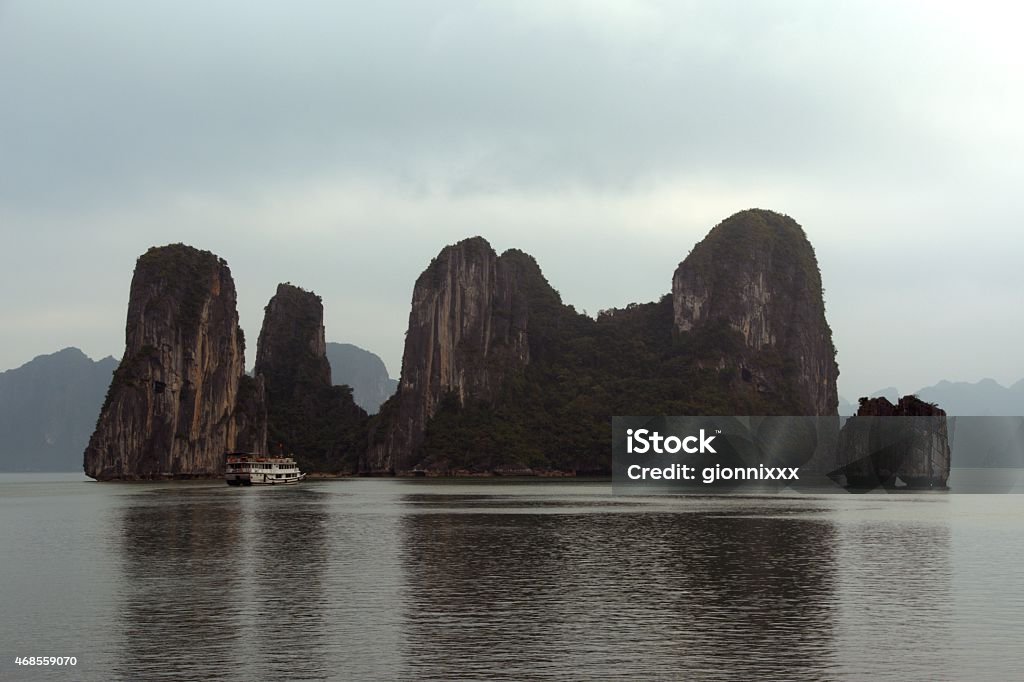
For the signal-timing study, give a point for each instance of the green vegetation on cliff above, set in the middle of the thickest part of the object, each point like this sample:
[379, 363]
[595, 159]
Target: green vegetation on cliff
[321, 425]
[735, 244]
[182, 274]
[556, 413]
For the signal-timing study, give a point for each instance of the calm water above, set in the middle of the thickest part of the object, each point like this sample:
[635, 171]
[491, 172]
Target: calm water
[414, 579]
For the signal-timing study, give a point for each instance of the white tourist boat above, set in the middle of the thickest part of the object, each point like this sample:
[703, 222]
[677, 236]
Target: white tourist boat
[247, 469]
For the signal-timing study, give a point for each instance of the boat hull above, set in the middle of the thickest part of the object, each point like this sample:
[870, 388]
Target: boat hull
[260, 479]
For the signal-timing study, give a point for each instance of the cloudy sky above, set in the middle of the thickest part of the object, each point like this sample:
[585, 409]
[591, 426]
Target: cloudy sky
[339, 146]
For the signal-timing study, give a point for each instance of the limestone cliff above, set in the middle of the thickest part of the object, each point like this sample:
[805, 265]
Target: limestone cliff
[251, 416]
[757, 274]
[170, 410]
[885, 443]
[467, 330]
[500, 376]
[307, 415]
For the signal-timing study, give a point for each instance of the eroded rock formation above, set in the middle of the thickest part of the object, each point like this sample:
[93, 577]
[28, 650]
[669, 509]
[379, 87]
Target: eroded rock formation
[757, 274]
[891, 445]
[498, 375]
[467, 330]
[309, 417]
[170, 410]
[251, 415]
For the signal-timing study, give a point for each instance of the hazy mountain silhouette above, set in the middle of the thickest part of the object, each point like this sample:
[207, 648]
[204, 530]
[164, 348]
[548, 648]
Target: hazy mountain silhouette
[985, 398]
[49, 405]
[48, 409]
[364, 372]
[361, 370]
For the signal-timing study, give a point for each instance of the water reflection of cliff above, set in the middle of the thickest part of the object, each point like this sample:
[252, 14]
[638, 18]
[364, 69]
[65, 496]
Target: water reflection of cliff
[534, 591]
[216, 584]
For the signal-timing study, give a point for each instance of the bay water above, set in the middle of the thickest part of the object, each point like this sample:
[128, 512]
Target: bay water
[381, 579]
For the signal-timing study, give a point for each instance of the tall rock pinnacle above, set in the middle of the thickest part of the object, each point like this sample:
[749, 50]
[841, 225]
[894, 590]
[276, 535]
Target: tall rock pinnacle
[757, 274]
[171, 407]
[467, 329]
[318, 422]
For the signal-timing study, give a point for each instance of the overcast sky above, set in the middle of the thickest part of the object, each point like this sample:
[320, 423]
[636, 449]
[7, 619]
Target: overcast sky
[340, 146]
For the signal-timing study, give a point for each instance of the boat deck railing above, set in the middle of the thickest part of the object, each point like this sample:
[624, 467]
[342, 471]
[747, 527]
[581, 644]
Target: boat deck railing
[261, 460]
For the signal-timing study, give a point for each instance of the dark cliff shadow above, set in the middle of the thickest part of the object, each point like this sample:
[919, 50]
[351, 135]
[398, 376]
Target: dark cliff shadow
[527, 593]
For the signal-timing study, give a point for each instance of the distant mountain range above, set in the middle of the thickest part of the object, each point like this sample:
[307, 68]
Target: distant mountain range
[49, 405]
[985, 398]
[48, 410]
[364, 372]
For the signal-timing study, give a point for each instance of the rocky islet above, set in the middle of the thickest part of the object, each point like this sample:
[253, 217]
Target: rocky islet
[492, 358]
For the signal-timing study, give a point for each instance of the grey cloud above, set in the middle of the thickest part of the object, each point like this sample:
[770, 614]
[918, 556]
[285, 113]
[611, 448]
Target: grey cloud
[632, 127]
[113, 97]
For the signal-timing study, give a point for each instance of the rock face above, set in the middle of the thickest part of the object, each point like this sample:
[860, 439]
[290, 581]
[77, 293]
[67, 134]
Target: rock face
[292, 347]
[251, 416]
[170, 410]
[307, 415]
[364, 372]
[883, 442]
[757, 274]
[500, 376]
[467, 331]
